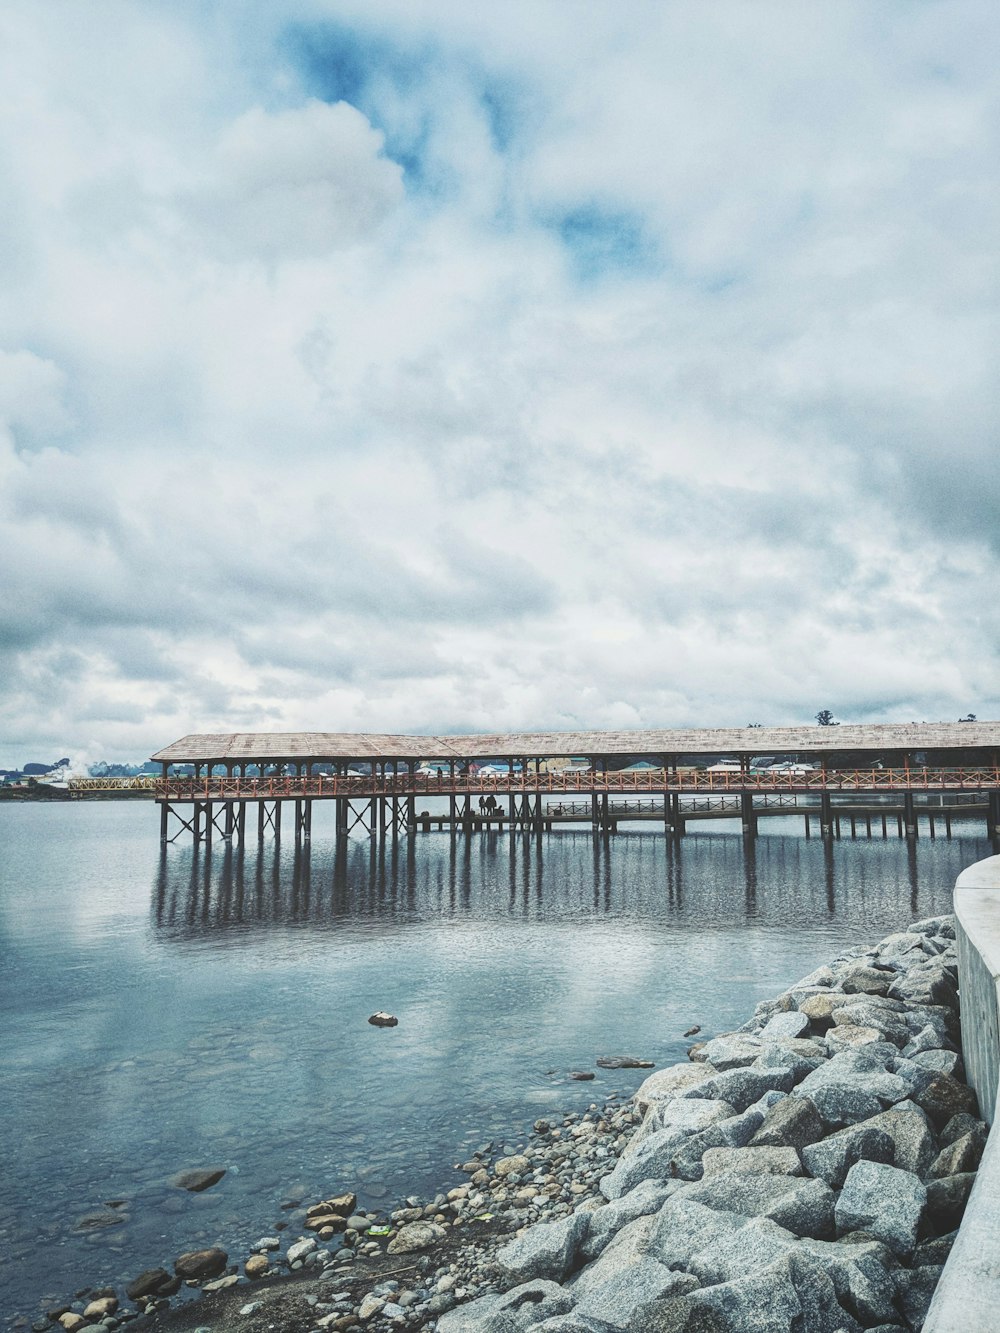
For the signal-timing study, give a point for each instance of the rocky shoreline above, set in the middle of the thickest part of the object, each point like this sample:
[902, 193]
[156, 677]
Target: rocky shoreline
[806, 1172]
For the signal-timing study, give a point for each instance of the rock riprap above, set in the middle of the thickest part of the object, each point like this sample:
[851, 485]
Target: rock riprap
[804, 1174]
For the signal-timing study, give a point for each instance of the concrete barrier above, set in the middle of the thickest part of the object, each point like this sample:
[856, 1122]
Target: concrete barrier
[967, 1299]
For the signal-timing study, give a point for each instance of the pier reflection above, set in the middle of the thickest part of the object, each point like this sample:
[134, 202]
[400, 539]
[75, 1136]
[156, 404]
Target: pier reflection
[704, 881]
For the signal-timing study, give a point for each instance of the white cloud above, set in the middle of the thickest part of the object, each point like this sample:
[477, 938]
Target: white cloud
[448, 367]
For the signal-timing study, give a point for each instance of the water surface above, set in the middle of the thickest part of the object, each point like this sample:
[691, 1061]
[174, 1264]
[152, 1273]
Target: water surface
[170, 1011]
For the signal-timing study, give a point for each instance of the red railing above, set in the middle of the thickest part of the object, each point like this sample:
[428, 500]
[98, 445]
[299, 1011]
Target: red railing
[222, 788]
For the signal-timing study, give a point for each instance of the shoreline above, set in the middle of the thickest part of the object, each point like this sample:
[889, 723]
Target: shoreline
[455, 1252]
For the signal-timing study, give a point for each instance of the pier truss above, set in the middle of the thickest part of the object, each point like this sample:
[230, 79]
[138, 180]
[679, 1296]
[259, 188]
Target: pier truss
[387, 786]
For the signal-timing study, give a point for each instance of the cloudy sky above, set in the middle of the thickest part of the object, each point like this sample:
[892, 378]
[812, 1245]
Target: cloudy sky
[419, 365]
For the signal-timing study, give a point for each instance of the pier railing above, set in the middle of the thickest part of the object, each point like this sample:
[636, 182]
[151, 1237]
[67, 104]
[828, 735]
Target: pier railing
[222, 787]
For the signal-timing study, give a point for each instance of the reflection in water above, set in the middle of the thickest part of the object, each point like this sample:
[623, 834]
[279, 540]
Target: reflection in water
[773, 879]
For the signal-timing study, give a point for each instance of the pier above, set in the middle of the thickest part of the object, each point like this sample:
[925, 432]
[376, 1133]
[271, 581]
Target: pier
[875, 779]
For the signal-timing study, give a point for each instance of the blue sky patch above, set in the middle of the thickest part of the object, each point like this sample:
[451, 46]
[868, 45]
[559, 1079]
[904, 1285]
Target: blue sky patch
[600, 240]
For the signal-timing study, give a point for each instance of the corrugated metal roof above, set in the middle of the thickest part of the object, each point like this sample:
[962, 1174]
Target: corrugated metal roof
[321, 745]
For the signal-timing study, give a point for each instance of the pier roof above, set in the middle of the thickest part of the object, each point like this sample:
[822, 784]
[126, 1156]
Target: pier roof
[322, 745]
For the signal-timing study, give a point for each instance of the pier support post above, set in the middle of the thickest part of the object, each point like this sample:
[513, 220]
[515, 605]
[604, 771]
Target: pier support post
[747, 814]
[164, 814]
[909, 818]
[993, 817]
[825, 815]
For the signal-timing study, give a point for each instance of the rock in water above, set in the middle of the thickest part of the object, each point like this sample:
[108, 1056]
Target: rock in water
[200, 1263]
[623, 1062]
[693, 1032]
[196, 1181]
[383, 1020]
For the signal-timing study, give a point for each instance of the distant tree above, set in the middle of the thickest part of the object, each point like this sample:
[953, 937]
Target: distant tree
[826, 719]
[969, 717]
[755, 724]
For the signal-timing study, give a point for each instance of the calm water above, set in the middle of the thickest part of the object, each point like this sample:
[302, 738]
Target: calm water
[160, 1013]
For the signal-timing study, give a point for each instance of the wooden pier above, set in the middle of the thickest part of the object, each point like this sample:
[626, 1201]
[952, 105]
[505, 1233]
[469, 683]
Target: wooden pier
[870, 777]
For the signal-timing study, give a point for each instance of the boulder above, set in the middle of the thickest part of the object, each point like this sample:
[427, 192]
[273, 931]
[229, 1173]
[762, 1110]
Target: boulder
[916, 1291]
[884, 1201]
[383, 1020]
[791, 1294]
[621, 1280]
[742, 1087]
[733, 1050]
[866, 980]
[934, 1251]
[684, 1229]
[681, 1114]
[943, 926]
[939, 1061]
[790, 1024]
[913, 1143]
[686, 1159]
[514, 1312]
[198, 1264]
[414, 1236]
[256, 1266]
[960, 1124]
[517, 1164]
[792, 1122]
[197, 1180]
[546, 1250]
[945, 1097]
[653, 1159]
[666, 1084]
[752, 1161]
[605, 1222]
[946, 1200]
[963, 1155]
[799, 1205]
[848, 1036]
[892, 1027]
[819, 1008]
[832, 1158]
[152, 1282]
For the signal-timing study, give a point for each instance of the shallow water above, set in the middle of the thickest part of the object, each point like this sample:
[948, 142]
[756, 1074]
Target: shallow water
[170, 1011]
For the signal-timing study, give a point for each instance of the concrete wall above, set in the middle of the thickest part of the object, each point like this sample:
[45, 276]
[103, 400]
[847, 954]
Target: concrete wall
[967, 1299]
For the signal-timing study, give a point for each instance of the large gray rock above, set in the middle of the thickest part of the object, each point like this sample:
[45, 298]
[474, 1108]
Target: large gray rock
[913, 1143]
[604, 1223]
[942, 926]
[945, 1097]
[854, 1085]
[680, 1114]
[742, 1087]
[861, 1275]
[892, 1026]
[946, 1200]
[793, 1122]
[623, 1278]
[939, 1061]
[573, 1322]
[791, 1024]
[790, 1295]
[958, 1125]
[752, 1161]
[884, 1201]
[684, 1229]
[732, 1050]
[415, 1236]
[778, 1056]
[833, 1157]
[666, 1084]
[546, 1250]
[652, 1160]
[862, 980]
[796, 1203]
[686, 1162]
[917, 1291]
[962, 1155]
[514, 1312]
